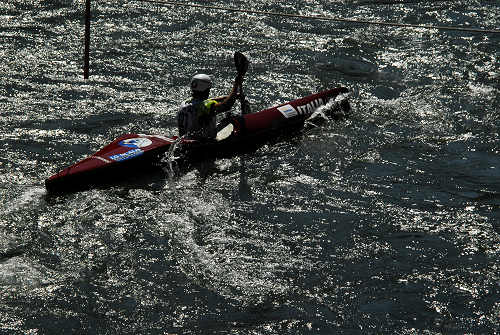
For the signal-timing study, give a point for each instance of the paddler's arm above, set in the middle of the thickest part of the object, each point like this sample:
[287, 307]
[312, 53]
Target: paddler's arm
[229, 100]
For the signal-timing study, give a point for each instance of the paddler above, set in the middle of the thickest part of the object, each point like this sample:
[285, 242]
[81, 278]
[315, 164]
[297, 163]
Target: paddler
[197, 116]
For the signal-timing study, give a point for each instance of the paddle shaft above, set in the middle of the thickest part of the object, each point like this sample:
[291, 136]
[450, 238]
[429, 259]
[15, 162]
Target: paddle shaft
[241, 63]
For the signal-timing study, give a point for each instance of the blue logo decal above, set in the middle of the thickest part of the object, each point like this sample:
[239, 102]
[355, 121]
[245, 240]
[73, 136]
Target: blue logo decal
[127, 155]
[138, 142]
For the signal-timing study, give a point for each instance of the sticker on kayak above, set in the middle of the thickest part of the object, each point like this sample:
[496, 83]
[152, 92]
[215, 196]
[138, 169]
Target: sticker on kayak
[288, 111]
[127, 155]
[138, 142]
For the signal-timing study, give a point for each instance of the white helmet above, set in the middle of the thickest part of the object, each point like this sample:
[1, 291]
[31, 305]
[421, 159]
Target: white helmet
[201, 82]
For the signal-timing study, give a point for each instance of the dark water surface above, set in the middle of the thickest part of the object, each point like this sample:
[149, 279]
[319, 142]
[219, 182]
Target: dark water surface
[387, 222]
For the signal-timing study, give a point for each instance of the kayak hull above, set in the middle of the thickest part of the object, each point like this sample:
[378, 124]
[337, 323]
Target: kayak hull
[133, 154]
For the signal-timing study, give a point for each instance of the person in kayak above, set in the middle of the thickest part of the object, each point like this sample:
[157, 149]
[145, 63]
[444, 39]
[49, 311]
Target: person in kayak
[196, 118]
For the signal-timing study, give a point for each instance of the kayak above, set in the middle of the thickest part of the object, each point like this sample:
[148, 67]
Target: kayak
[130, 153]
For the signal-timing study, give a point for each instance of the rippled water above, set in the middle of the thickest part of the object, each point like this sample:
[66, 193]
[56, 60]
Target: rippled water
[387, 222]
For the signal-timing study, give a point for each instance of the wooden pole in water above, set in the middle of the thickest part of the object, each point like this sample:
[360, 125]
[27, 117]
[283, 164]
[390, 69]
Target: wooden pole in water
[87, 41]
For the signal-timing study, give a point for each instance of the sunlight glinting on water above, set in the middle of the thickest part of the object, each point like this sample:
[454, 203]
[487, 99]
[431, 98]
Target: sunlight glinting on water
[383, 222]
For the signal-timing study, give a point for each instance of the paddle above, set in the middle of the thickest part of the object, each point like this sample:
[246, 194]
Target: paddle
[241, 63]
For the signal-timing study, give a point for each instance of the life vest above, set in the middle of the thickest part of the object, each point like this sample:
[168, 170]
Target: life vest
[197, 119]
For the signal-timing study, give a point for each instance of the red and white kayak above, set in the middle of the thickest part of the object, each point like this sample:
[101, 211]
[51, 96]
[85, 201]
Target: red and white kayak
[132, 151]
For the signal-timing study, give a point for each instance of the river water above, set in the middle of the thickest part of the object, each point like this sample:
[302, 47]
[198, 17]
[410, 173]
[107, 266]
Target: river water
[387, 222]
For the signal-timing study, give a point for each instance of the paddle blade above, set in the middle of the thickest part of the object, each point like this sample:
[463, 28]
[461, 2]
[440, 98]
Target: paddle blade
[241, 63]
[224, 132]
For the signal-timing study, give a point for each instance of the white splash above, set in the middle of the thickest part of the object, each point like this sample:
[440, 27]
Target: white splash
[170, 157]
[331, 107]
[29, 196]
